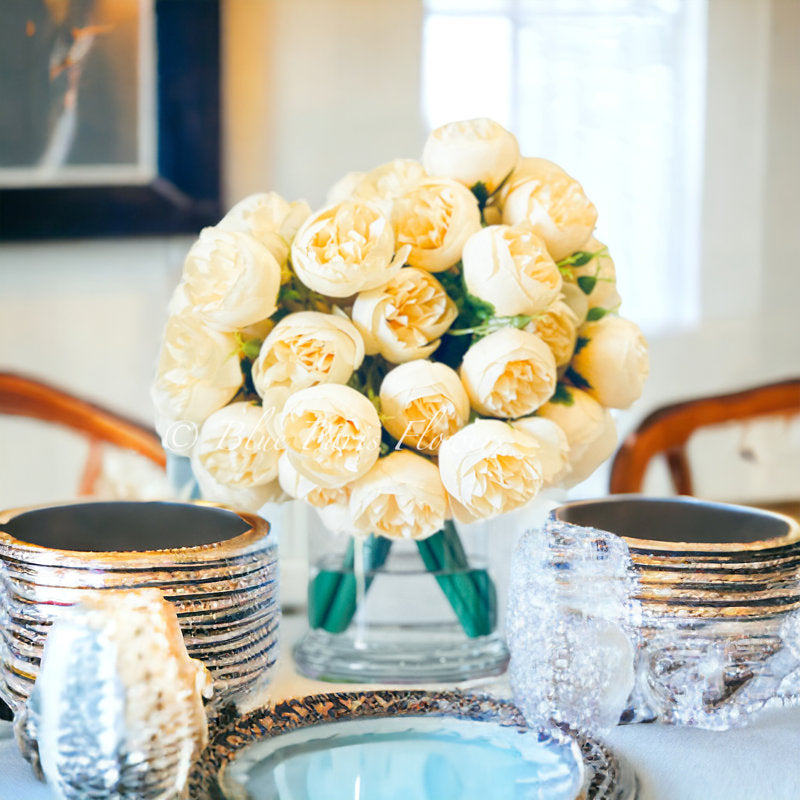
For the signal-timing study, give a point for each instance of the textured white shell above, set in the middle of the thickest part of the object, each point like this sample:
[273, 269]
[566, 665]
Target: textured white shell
[116, 710]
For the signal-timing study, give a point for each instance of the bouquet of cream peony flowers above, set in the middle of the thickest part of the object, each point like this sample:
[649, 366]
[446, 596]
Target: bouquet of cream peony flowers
[440, 341]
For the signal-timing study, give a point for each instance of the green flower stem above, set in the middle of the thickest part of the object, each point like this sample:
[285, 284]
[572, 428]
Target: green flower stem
[332, 593]
[492, 324]
[470, 592]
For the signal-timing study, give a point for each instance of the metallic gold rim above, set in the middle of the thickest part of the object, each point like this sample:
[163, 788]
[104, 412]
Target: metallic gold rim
[643, 546]
[249, 541]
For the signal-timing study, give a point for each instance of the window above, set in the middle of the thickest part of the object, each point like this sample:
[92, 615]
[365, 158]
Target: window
[613, 91]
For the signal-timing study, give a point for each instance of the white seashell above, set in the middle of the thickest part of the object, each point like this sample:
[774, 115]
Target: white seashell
[116, 711]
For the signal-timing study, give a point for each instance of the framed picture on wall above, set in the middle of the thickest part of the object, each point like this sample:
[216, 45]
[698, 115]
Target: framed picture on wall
[109, 122]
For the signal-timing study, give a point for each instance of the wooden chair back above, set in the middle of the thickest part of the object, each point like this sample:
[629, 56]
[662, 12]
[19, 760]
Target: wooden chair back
[24, 396]
[668, 429]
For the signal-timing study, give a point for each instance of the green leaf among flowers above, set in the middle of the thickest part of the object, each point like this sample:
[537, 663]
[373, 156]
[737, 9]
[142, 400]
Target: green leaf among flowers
[562, 395]
[294, 295]
[581, 257]
[577, 259]
[368, 377]
[472, 310]
[481, 194]
[476, 317]
[596, 313]
[492, 324]
[249, 348]
[577, 379]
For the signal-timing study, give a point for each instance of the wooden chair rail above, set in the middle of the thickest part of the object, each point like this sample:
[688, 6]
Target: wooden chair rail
[667, 430]
[28, 397]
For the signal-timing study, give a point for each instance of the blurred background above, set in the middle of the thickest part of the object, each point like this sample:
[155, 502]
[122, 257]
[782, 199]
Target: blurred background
[679, 117]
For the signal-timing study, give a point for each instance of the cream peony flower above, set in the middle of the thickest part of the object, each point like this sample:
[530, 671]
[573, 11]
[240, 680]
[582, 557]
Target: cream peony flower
[422, 403]
[387, 182]
[259, 330]
[590, 430]
[230, 279]
[331, 504]
[489, 468]
[435, 219]
[237, 447]
[576, 300]
[510, 268]
[600, 276]
[402, 496]
[343, 189]
[346, 248]
[404, 318]
[178, 301]
[553, 452]
[612, 361]
[509, 373]
[596, 452]
[197, 373]
[270, 219]
[306, 348]
[492, 215]
[542, 194]
[557, 326]
[473, 151]
[250, 498]
[299, 487]
[331, 433]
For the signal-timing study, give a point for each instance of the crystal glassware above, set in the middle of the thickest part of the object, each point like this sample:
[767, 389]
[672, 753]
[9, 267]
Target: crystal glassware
[719, 596]
[572, 626]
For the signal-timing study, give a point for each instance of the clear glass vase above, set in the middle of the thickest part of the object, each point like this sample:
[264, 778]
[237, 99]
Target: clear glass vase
[399, 611]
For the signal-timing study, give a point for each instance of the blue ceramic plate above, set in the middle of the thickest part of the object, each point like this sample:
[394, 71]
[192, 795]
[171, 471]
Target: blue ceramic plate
[413, 745]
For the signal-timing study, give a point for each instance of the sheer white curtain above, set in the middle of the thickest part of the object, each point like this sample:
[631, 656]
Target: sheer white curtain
[613, 91]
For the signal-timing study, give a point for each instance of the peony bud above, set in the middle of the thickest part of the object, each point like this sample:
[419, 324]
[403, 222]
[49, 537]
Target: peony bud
[510, 268]
[306, 348]
[332, 433]
[230, 279]
[475, 151]
[402, 496]
[435, 219]
[346, 248]
[612, 362]
[404, 318]
[509, 373]
[270, 219]
[489, 468]
[422, 403]
[542, 194]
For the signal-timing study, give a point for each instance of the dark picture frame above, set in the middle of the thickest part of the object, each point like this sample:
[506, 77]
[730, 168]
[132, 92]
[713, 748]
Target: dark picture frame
[185, 194]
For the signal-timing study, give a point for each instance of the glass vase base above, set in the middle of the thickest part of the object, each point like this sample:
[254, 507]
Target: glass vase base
[402, 655]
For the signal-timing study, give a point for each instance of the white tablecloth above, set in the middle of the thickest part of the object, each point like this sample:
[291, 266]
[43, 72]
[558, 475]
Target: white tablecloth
[759, 762]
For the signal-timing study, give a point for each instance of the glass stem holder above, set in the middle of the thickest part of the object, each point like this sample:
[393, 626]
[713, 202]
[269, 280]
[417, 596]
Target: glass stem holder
[401, 611]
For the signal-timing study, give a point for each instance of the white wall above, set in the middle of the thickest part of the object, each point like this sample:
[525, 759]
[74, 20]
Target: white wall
[316, 88]
[85, 315]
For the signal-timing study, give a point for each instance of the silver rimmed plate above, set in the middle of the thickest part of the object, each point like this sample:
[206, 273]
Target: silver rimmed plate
[392, 744]
[684, 526]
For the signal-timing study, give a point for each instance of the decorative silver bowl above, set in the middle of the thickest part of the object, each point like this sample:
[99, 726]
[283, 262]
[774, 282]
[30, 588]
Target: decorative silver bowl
[403, 743]
[718, 599]
[216, 566]
[697, 559]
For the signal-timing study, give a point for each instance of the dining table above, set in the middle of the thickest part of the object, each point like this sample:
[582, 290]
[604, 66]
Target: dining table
[756, 762]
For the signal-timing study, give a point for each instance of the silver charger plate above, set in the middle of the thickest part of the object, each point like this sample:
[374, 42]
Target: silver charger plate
[402, 743]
